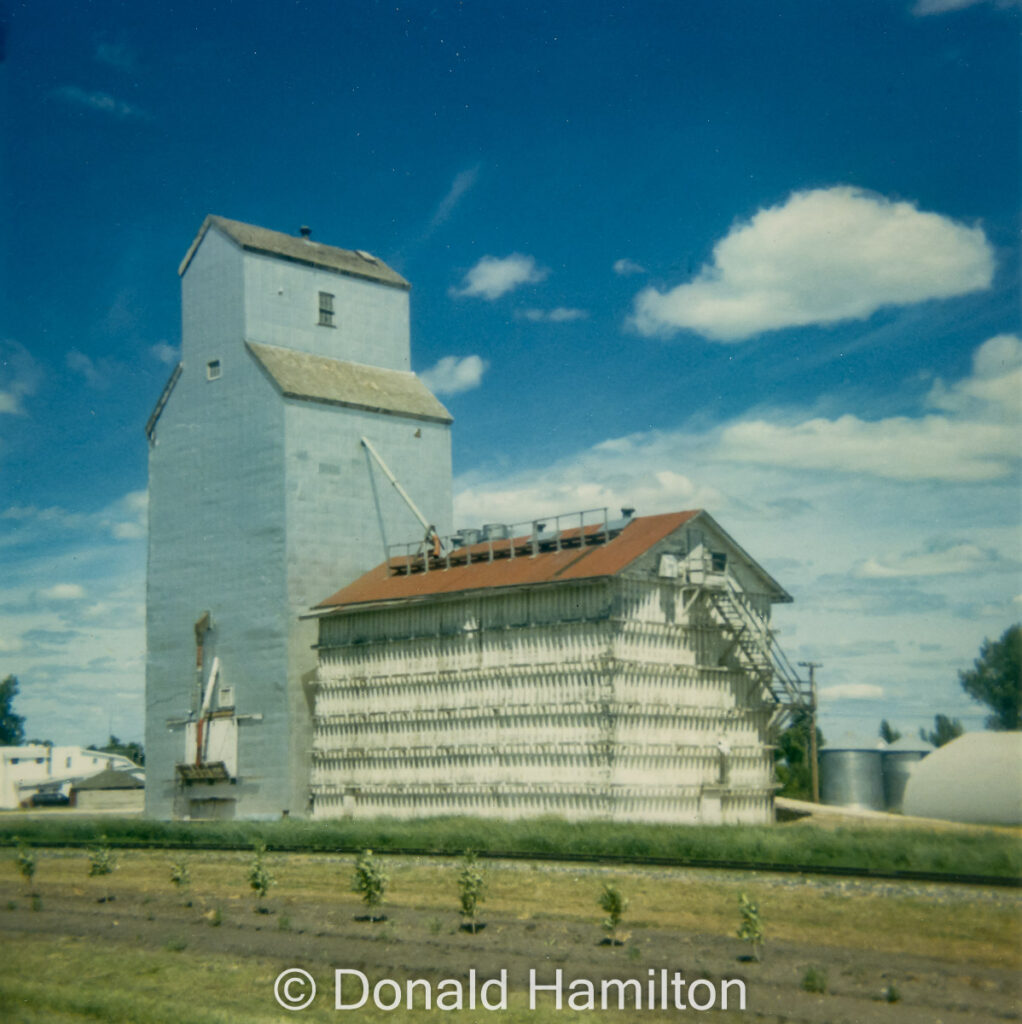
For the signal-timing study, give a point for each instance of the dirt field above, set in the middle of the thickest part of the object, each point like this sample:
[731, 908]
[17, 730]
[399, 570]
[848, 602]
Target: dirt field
[881, 951]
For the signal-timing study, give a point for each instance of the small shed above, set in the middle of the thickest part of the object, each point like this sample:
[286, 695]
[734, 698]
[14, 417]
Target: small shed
[110, 790]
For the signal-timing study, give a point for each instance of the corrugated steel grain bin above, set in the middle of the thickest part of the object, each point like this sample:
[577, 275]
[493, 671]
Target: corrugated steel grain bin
[852, 778]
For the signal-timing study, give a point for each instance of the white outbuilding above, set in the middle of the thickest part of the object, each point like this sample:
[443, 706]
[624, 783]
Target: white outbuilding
[579, 666]
[975, 778]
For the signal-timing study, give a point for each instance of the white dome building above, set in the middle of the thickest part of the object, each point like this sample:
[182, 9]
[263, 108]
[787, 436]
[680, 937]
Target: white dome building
[976, 778]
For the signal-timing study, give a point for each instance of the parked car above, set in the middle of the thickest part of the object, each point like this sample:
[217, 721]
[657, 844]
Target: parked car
[50, 800]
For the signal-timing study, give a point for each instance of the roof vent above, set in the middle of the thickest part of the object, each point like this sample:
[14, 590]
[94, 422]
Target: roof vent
[305, 231]
[627, 513]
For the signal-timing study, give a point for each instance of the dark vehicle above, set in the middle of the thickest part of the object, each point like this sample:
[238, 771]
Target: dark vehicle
[50, 800]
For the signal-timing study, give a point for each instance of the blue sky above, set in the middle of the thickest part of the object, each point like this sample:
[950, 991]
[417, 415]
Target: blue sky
[758, 257]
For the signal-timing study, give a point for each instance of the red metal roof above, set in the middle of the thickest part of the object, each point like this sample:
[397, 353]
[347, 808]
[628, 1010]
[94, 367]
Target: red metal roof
[390, 581]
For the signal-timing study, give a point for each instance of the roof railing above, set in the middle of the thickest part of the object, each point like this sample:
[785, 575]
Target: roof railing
[496, 541]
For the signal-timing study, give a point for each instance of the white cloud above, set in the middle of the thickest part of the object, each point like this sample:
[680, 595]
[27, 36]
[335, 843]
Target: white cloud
[897, 448]
[938, 558]
[19, 376]
[904, 635]
[165, 353]
[493, 277]
[123, 519]
[995, 388]
[557, 315]
[852, 691]
[72, 608]
[924, 7]
[452, 375]
[979, 437]
[64, 592]
[822, 256]
[626, 267]
[101, 102]
[463, 181]
[81, 364]
[595, 479]
[127, 518]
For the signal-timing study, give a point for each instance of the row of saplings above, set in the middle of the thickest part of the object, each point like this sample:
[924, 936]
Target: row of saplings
[370, 881]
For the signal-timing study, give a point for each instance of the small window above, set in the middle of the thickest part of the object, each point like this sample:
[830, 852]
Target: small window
[213, 369]
[14, 760]
[718, 561]
[68, 763]
[326, 309]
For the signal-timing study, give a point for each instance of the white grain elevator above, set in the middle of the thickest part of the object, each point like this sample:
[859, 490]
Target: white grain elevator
[262, 498]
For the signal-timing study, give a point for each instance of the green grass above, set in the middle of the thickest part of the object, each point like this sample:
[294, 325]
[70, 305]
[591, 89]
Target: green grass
[74, 981]
[989, 853]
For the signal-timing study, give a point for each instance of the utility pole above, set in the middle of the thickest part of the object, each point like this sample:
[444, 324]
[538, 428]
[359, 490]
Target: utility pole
[814, 764]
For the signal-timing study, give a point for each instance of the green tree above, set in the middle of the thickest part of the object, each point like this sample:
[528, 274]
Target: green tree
[944, 730]
[12, 726]
[995, 679]
[791, 755]
[888, 733]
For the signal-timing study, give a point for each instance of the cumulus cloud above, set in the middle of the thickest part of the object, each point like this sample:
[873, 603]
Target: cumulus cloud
[626, 267]
[493, 277]
[898, 448]
[48, 517]
[558, 315]
[938, 558]
[19, 377]
[995, 387]
[452, 375]
[602, 477]
[64, 592]
[852, 691]
[101, 102]
[81, 364]
[978, 437]
[821, 256]
[127, 518]
[123, 519]
[165, 353]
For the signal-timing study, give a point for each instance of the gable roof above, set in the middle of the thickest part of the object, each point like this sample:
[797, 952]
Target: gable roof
[355, 263]
[111, 778]
[335, 382]
[471, 568]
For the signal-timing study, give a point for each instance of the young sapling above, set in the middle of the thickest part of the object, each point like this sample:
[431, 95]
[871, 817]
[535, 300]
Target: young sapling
[259, 878]
[181, 877]
[26, 862]
[370, 881]
[613, 905]
[751, 927]
[471, 886]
